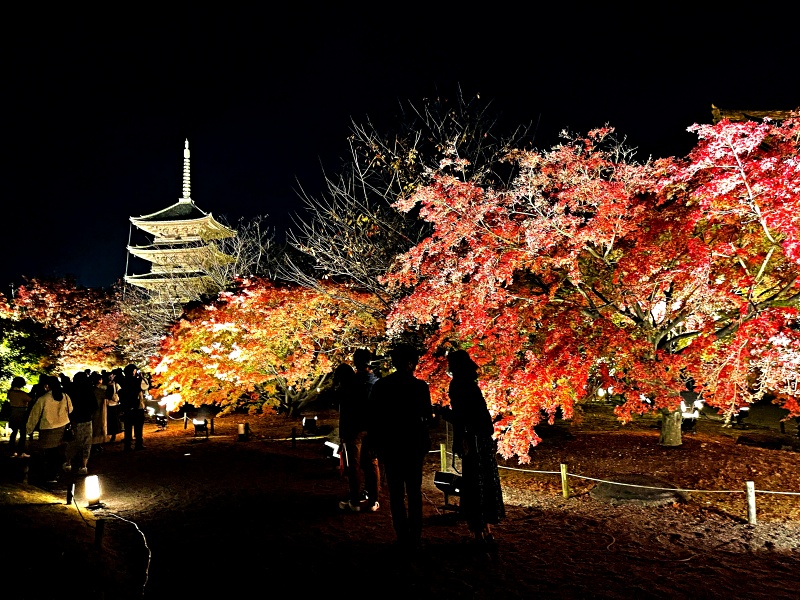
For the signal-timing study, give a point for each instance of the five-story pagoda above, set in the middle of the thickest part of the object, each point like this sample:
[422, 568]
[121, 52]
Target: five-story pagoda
[183, 252]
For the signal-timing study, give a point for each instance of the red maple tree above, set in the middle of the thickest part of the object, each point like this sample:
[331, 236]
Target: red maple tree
[593, 272]
[85, 320]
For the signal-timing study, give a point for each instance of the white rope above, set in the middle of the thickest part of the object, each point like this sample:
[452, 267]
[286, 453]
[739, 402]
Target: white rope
[529, 470]
[647, 487]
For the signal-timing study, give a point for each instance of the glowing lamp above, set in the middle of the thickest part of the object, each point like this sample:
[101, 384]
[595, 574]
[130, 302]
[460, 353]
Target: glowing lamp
[91, 490]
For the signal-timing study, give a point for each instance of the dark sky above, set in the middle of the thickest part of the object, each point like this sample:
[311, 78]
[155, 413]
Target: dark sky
[98, 102]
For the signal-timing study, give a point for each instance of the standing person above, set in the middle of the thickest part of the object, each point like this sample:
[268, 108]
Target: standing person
[51, 414]
[361, 462]
[132, 404]
[401, 405]
[18, 400]
[37, 391]
[473, 430]
[99, 415]
[84, 404]
[113, 425]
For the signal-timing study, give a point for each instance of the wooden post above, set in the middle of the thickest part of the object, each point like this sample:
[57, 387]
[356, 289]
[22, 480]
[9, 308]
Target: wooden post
[443, 456]
[100, 527]
[564, 481]
[185, 420]
[750, 488]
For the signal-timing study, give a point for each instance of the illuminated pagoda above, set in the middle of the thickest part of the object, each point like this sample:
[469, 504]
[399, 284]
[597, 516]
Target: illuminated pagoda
[182, 250]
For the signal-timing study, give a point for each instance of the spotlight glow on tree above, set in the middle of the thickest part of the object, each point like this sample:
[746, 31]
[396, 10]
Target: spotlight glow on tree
[264, 345]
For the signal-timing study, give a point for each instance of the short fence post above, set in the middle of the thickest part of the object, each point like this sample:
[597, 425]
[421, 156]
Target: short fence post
[185, 420]
[99, 530]
[750, 488]
[564, 481]
[443, 456]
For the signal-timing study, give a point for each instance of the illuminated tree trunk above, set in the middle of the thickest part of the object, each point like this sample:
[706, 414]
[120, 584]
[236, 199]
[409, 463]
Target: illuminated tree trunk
[671, 428]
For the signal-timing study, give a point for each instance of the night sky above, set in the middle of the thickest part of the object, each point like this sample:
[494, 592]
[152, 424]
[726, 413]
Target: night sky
[100, 101]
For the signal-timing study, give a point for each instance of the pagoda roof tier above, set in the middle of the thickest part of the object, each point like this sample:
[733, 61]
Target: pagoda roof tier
[180, 255]
[164, 276]
[175, 285]
[183, 220]
[169, 288]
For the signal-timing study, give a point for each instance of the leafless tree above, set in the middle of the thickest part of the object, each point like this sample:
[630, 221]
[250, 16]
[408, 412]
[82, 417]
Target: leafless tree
[351, 231]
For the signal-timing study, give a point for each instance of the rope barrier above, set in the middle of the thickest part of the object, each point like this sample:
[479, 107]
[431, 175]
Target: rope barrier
[529, 470]
[648, 487]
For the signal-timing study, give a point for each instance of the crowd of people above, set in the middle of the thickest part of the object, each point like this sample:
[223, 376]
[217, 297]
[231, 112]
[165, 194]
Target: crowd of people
[75, 417]
[383, 427]
[384, 424]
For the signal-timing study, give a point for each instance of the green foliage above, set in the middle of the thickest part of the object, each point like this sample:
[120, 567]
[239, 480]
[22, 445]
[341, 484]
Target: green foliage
[27, 348]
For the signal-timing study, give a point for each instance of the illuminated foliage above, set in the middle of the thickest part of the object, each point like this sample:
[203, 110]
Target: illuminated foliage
[85, 320]
[591, 271]
[265, 345]
[26, 347]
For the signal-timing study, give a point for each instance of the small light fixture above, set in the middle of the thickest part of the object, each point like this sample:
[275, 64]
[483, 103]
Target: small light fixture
[244, 432]
[200, 426]
[161, 421]
[450, 485]
[310, 424]
[91, 490]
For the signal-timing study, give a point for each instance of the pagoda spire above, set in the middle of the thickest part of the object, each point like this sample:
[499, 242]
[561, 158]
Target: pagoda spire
[187, 181]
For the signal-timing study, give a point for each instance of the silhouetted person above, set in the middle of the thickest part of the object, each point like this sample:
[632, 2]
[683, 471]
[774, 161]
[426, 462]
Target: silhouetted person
[481, 501]
[361, 463]
[83, 409]
[132, 404]
[19, 401]
[402, 411]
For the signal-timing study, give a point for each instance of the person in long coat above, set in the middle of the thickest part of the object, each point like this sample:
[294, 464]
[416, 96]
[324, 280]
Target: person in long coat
[481, 501]
[51, 413]
[113, 423]
[99, 415]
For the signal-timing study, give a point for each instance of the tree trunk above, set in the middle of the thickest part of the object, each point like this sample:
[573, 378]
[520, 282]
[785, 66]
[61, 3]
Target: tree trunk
[671, 428]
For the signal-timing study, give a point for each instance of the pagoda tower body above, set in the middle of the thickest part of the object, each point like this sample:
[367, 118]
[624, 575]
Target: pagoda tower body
[182, 253]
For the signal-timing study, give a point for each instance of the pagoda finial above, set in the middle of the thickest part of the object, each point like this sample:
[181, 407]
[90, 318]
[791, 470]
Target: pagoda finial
[187, 181]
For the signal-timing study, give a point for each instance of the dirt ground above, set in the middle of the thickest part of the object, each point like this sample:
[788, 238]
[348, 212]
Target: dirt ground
[219, 517]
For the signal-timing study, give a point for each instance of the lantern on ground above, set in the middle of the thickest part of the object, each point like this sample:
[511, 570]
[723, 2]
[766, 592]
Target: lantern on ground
[91, 491]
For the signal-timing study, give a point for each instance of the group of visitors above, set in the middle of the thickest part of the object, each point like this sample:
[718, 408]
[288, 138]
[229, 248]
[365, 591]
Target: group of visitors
[385, 422]
[75, 417]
